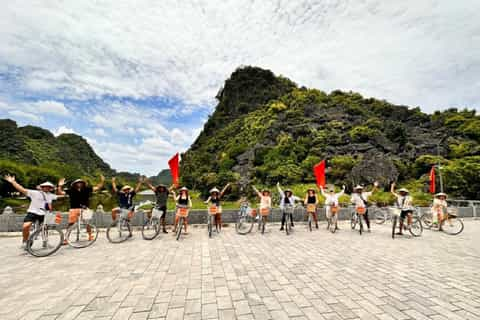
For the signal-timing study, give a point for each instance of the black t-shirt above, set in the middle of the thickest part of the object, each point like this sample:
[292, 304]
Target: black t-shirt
[125, 200]
[79, 198]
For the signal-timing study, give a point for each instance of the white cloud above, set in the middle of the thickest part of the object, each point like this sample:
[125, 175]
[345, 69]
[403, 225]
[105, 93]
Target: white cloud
[423, 53]
[48, 107]
[100, 132]
[25, 115]
[62, 129]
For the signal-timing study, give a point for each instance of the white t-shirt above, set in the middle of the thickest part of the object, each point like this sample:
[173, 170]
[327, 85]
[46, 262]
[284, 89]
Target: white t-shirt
[38, 199]
[357, 201]
[405, 203]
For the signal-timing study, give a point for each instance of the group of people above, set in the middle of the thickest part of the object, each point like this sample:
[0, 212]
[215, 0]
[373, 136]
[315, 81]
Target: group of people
[80, 192]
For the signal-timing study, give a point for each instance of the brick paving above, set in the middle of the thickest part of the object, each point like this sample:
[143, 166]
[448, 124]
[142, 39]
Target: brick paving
[303, 276]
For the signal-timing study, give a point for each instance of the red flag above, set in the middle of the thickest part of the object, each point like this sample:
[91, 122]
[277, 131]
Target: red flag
[319, 172]
[174, 169]
[432, 180]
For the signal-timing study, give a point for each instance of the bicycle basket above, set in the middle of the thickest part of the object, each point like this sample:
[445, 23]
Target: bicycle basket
[251, 212]
[361, 210]
[334, 209]
[394, 211]
[265, 211]
[311, 208]
[288, 209]
[182, 212]
[87, 214]
[156, 213]
[50, 218]
[212, 210]
[124, 213]
[452, 212]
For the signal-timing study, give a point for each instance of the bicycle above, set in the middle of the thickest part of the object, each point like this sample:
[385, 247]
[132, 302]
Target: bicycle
[46, 238]
[83, 233]
[413, 225]
[120, 229]
[332, 221]
[288, 212]
[356, 218]
[262, 222]
[212, 212]
[246, 218]
[449, 224]
[151, 226]
[381, 215]
[182, 213]
[311, 210]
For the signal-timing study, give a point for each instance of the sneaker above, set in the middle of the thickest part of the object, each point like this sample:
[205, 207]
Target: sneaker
[130, 235]
[165, 231]
[399, 233]
[281, 229]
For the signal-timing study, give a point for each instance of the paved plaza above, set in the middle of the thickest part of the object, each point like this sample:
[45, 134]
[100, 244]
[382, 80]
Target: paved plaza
[302, 276]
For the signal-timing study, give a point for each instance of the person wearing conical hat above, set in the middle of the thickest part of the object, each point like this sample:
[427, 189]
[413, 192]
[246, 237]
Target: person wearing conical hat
[125, 198]
[183, 200]
[161, 199]
[214, 200]
[40, 201]
[405, 203]
[286, 199]
[311, 201]
[331, 200]
[265, 202]
[439, 206]
[360, 200]
[79, 194]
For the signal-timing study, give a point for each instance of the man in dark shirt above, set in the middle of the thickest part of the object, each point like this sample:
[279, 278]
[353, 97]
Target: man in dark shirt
[79, 194]
[125, 198]
[161, 198]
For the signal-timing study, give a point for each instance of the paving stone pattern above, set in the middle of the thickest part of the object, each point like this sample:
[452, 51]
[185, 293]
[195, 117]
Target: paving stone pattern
[302, 276]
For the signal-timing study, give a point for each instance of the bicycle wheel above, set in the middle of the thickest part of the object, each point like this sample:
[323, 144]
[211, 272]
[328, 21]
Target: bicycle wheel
[353, 220]
[310, 221]
[45, 241]
[264, 221]
[379, 216]
[210, 226]
[118, 231]
[244, 224]
[180, 226]
[81, 235]
[394, 225]
[287, 225]
[416, 229]
[426, 219]
[360, 225]
[452, 226]
[333, 223]
[150, 228]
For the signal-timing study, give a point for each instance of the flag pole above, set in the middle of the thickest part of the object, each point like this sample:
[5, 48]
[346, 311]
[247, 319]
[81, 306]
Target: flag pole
[438, 166]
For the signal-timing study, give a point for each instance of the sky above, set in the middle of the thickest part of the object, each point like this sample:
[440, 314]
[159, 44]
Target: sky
[138, 78]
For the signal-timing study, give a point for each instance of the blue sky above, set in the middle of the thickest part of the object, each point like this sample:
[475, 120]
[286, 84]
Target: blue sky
[138, 79]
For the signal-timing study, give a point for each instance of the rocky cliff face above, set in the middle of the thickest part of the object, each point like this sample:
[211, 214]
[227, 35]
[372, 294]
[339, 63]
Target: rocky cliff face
[267, 129]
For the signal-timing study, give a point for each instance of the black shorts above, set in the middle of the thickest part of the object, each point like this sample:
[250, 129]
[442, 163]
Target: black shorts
[163, 209]
[32, 217]
[404, 213]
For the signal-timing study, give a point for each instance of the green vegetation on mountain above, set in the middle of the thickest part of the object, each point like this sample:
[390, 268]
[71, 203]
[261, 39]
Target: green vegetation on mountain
[267, 129]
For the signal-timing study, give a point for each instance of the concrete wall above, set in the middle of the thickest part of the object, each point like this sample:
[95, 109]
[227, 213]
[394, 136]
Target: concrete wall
[13, 222]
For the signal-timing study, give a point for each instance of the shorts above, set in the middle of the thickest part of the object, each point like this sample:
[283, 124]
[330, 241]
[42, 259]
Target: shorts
[73, 215]
[117, 210]
[404, 213]
[33, 217]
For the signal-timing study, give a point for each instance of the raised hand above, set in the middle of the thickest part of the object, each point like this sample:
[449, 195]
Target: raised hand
[61, 182]
[9, 178]
[102, 178]
[114, 179]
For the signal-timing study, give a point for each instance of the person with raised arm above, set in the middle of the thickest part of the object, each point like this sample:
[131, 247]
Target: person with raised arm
[311, 203]
[182, 200]
[214, 200]
[161, 199]
[286, 199]
[360, 200]
[40, 202]
[265, 198]
[79, 194]
[125, 198]
[405, 203]
[332, 200]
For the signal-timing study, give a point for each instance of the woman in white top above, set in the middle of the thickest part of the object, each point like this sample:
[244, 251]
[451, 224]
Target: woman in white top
[360, 200]
[439, 207]
[40, 202]
[265, 198]
[286, 199]
[331, 200]
[405, 204]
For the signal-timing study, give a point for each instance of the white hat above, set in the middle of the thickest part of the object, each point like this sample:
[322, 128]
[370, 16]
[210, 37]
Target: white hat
[77, 181]
[440, 194]
[214, 190]
[404, 190]
[126, 187]
[358, 187]
[183, 189]
[47, 184]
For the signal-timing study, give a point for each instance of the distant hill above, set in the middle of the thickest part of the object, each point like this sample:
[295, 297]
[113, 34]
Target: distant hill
[266, 128]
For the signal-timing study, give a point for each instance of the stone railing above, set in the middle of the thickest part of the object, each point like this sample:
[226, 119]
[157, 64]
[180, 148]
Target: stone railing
[13, 222]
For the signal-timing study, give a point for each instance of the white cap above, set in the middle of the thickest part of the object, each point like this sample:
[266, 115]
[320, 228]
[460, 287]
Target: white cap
[47, 184]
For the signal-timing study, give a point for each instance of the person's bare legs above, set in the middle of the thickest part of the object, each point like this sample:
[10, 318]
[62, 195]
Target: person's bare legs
[26, 231]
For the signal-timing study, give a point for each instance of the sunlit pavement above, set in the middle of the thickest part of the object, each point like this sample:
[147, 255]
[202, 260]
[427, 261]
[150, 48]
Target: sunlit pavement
[315, 275]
